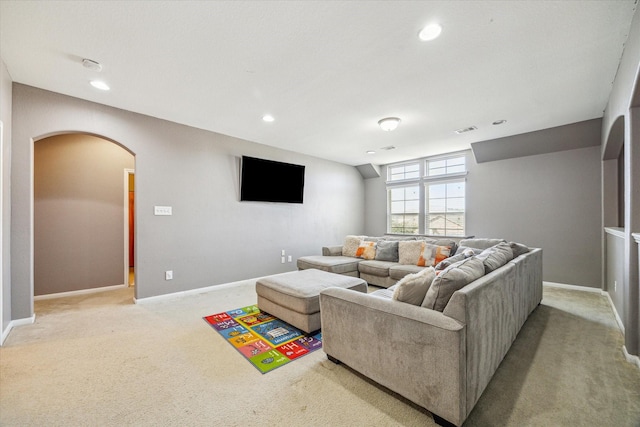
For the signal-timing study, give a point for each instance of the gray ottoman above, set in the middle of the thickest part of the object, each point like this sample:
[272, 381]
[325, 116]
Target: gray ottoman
[294, 296]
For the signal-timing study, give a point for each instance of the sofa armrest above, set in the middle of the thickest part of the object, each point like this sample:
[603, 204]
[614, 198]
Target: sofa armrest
[416, 352]
[332, 250]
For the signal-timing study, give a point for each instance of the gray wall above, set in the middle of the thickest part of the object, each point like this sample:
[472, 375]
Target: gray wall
[621, 125]
[78, 213]
[550, 201]
[212, 238]
[5, 194]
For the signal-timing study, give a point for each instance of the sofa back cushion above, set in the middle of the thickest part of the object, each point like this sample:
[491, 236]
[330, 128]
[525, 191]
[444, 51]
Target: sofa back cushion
[413, 287]
[452, 278]
[480, 243]
[496, 256]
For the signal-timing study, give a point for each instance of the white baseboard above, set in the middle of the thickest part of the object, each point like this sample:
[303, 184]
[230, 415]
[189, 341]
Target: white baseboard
[14, 323]
[615, 312]
[571, 287]
[190, 292]
[634, 360]
[78, 292]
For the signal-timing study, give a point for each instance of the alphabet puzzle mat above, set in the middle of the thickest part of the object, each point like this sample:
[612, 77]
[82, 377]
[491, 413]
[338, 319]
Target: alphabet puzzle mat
[264, 340]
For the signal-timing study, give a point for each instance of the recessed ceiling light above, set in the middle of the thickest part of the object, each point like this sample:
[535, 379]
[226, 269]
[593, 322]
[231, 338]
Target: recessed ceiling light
[371, 152]
[268, 118]
[430, 32]
[388, 124]
[91, 64]
[499, 122]
[464, 130]
[99, 84]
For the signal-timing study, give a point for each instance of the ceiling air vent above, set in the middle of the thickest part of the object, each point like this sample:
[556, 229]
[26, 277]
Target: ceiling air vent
[390, 147]
[469, 129]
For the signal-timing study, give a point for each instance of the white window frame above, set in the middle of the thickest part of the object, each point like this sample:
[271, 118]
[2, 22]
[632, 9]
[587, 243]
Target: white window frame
[422, 182]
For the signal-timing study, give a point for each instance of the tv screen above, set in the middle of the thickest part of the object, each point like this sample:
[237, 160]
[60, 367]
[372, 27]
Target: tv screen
[270, 181]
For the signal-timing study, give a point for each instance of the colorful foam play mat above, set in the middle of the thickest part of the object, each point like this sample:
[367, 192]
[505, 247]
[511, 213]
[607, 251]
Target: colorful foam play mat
[264, 340]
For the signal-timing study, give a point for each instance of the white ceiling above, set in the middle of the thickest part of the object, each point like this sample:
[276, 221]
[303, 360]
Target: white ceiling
[329, 70]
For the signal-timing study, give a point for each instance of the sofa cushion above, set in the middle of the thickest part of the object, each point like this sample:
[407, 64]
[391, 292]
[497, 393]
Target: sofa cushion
[480, 243]
[454, 277]
[409, 251]
[386, 293]
[387, 250]
[413, 287]
[366, 249]
[376, 268]
[351, 244]
[496, 256]
[518, 249]
[462, 249]
[398, 271]
[332, 264]
[432, 254]
[452, 260]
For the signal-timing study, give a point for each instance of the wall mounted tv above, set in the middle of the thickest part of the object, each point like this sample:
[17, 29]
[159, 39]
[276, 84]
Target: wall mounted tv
[270, 181]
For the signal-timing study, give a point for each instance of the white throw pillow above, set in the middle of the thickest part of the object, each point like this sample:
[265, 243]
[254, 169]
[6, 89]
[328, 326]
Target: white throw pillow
[412, 288]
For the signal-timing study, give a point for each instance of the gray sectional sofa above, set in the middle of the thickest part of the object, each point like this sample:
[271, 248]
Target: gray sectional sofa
[437, 340]
[394, 258]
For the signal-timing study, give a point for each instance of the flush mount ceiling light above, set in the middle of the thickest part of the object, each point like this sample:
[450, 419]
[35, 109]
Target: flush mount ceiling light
[430, 32]
[388, 124]
[99, 84]
[92, 65]
[371, 152]
[499, 122]
[268, 118]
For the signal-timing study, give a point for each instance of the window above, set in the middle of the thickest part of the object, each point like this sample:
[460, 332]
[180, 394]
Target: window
[427, 196]
[445, 208]
[404, 209]
[405, 171]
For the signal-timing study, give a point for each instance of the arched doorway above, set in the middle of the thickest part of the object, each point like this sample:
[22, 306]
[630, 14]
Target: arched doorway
[80, 214]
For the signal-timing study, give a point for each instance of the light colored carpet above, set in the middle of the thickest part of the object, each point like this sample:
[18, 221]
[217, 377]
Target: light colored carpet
[101, 360]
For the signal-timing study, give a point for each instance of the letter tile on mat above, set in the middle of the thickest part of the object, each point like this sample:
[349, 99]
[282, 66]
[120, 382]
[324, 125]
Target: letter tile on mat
[264, 340]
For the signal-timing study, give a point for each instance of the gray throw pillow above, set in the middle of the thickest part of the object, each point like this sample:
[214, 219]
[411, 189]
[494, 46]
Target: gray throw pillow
[451, 260]
[518, 249]
[413, 287]
[496, 256]
[387, 250]
[451, 279]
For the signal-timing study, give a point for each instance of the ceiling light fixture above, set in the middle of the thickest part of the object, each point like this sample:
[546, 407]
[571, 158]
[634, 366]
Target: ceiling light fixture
[268, 118]
[464, 130]
[499, 122]
[92, 65]
[388, 124]
[371, 152]
[430, 32]
[99, 84]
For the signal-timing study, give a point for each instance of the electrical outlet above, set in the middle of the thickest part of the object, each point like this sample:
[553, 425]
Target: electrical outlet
[282, 260]
[615, 285]
[282, 252]
[168, 275]
[289, 259]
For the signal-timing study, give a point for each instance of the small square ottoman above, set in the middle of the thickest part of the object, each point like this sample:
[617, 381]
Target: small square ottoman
[294, 296]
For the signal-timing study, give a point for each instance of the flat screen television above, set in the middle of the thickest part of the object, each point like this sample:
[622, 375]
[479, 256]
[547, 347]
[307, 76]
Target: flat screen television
[270, 181]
